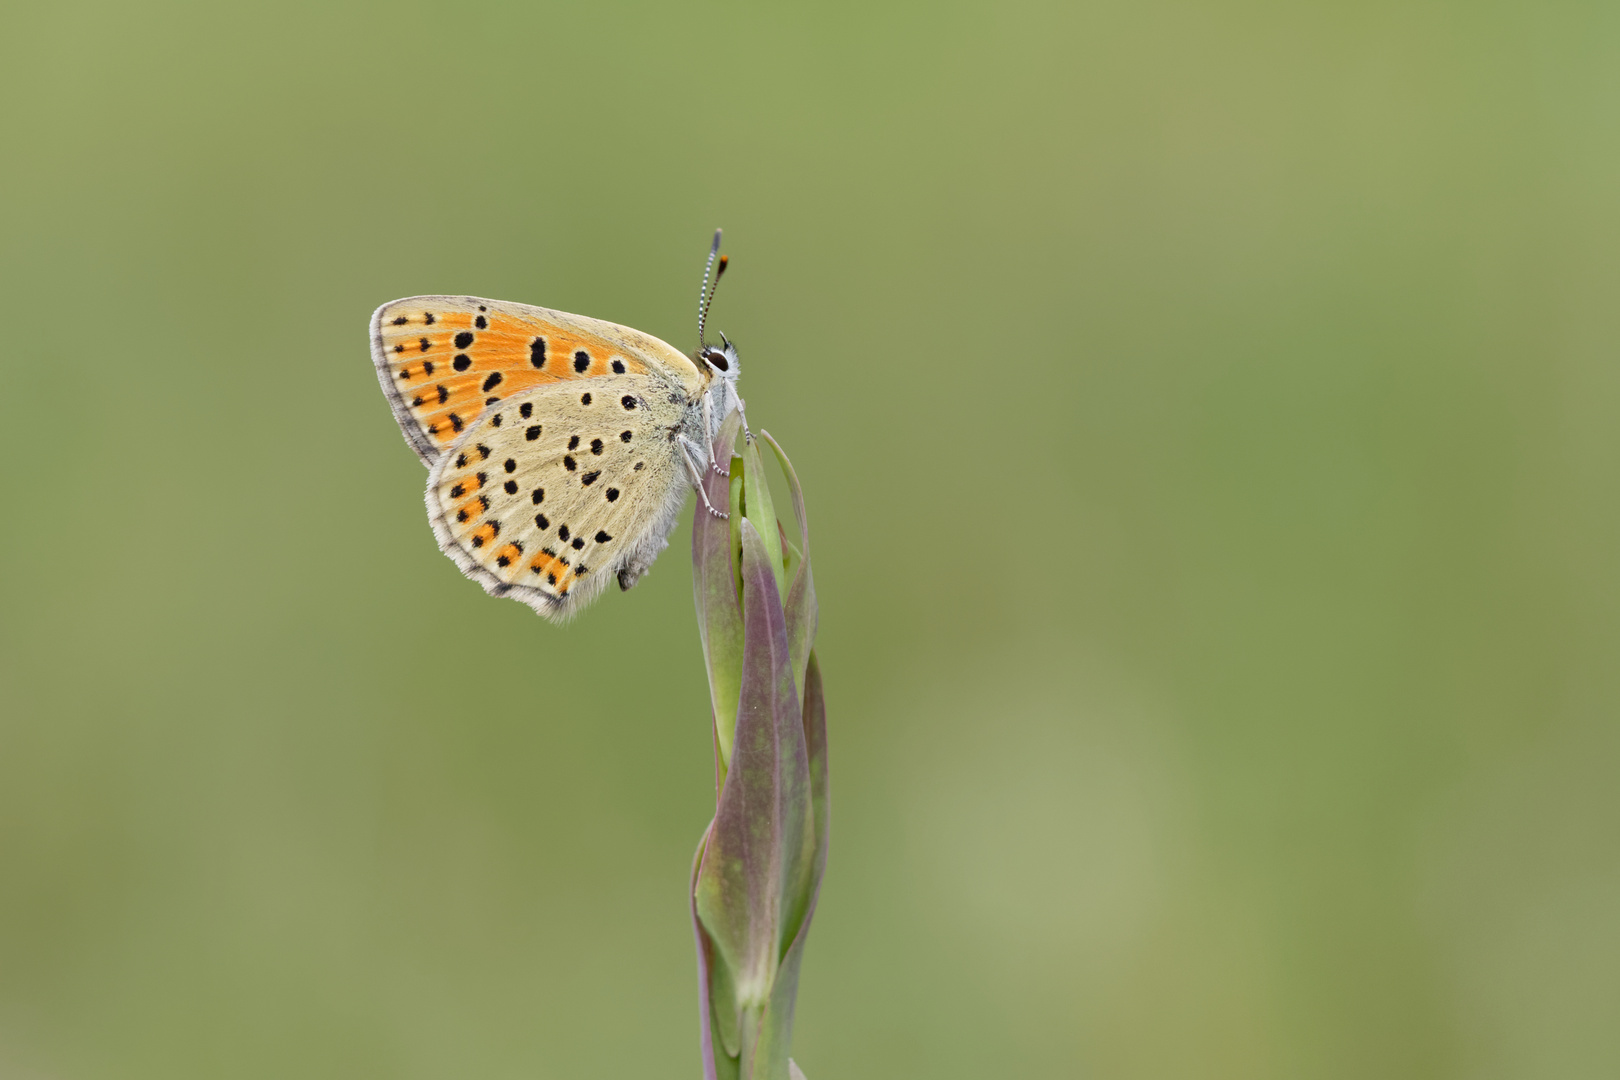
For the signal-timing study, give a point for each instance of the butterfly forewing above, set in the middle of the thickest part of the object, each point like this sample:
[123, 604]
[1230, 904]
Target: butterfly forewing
[442, 360]
[550, 492]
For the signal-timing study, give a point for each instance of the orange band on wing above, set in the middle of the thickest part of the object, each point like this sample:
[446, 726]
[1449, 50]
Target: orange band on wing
[448, 366]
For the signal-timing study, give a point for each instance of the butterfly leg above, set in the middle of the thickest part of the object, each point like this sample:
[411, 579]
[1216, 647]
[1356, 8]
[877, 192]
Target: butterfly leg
[692, 455]
[710, 426]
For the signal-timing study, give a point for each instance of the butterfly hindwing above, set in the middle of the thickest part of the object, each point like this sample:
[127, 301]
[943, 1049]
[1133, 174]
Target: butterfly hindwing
[442, 360]
[550, 493]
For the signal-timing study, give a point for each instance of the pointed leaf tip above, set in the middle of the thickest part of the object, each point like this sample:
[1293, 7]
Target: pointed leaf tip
[758, 508]
[799, 599]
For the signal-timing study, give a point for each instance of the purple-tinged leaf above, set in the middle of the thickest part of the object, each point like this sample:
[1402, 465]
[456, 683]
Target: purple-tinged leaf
[758, 872]
[714, 587]
[815, 740]
[777, 1028]
[760, 857]
[717, 1009]
[705, 955]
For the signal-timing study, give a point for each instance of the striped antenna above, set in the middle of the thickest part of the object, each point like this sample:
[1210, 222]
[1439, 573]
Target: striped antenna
[705, 295]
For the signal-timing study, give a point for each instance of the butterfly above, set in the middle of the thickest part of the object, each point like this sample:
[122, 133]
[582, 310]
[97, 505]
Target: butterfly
[559, 448]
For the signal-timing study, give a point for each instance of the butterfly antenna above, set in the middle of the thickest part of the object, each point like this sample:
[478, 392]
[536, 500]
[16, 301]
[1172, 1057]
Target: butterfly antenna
[725, 260]
[705, 294]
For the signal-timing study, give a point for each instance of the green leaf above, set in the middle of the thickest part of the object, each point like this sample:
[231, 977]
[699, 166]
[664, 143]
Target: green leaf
[758, 508]
[799, 606]
[719, 609]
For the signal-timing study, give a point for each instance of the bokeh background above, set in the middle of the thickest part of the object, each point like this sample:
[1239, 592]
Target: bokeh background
[1209, 419]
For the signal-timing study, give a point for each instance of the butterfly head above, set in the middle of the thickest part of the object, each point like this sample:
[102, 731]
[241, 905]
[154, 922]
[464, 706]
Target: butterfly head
[723, 367]
[723, 363]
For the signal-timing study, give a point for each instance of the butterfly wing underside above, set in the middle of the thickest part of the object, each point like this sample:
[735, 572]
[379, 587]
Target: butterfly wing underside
[551, 493]
[442, 360]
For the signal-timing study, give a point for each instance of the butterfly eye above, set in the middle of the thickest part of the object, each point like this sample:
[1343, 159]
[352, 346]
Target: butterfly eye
[717, 358]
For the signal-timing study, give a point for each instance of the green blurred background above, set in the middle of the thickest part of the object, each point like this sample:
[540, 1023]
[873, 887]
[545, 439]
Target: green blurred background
[1208, 416]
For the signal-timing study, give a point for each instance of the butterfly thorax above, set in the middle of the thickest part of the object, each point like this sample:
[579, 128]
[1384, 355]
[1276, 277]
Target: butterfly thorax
[723, 368]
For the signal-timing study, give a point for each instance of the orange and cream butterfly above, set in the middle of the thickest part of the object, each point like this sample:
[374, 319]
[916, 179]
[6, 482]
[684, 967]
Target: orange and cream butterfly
[559, 448]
